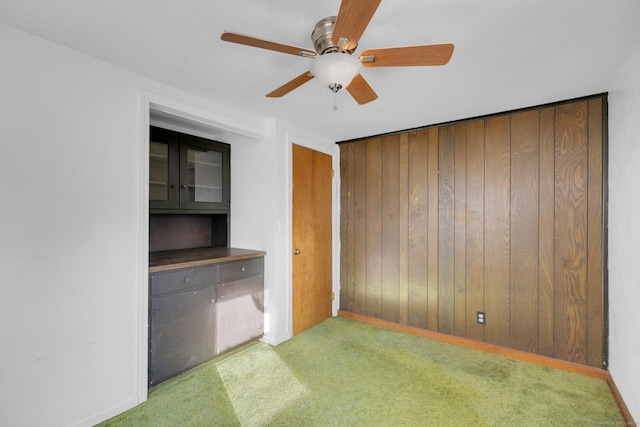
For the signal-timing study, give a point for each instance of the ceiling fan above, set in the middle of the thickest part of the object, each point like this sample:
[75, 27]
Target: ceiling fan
[335, 38]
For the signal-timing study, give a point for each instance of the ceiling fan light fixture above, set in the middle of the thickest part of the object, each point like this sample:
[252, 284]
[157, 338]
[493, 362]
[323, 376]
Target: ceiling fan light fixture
[335, 70]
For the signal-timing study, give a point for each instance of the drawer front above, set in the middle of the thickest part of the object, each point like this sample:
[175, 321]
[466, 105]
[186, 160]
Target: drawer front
[238, 269]
[178, 280]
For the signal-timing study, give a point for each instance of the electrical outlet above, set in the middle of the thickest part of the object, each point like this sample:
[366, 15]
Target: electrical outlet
[481, 317]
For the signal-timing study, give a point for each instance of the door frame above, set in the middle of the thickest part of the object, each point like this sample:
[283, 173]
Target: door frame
[334, 152]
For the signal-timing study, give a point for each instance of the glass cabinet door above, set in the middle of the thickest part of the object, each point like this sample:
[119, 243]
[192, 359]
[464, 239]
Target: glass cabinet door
[204, 178]
[158, 171]
[204, 175]
[163, 164]
[187, 173]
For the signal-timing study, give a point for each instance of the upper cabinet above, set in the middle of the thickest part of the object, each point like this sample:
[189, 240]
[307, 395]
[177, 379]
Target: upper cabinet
[187, 173]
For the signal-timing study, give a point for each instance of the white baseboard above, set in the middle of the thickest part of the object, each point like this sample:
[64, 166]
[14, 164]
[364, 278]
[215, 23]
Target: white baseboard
[107, 413]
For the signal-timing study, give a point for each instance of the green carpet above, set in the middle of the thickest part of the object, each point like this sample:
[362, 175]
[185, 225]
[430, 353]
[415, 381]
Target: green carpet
[345, 373]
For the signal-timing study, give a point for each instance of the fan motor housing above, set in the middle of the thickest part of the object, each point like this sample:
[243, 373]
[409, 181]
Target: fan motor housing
[322, 37]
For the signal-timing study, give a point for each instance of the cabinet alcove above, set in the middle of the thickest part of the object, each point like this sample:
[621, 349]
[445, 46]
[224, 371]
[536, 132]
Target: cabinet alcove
[205, 298]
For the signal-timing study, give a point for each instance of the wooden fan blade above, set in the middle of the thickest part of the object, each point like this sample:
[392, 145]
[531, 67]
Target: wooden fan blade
[361, 91]
[435, 54]
[290, 85]
[352, 20]
[264, 44]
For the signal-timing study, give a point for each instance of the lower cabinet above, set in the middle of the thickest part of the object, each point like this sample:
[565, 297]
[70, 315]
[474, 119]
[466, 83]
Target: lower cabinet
[240, 307]
[198, 313]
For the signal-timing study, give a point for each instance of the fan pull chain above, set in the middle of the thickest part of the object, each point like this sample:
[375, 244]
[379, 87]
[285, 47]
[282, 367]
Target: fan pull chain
[335, 101]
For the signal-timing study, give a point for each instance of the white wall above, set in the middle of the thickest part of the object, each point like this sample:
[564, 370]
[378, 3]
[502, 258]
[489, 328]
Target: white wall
[72, 249]
[272, 162]
[624, 232]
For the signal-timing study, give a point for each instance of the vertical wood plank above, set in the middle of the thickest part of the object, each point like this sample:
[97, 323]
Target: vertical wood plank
[446, 228]
[546, 237]
[571, 232]
[594, 244]
[496, 237]
[403, 222]
[390, 227]
[350, 242]
[475, 228]
[373, 224]
[432, 229]
[417, 181]
[344, 227]
[524, 230]
[460, 247]
[360, 231]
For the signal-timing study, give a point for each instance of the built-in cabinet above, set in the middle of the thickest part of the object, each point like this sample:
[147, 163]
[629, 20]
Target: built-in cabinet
[187, 173]
[199, 312]
[205, 298]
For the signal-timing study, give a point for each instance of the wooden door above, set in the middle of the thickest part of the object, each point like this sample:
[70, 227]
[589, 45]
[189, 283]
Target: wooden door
[312, 177]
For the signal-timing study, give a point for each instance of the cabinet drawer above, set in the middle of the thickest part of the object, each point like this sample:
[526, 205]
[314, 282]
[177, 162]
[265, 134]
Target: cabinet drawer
[178, 280]
[239, 269]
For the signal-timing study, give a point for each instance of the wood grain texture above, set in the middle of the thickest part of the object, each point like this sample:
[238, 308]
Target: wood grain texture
[345, 254]
[460, 230]
[525, 171]
[373, 224]
[359, 225]
[546, 237]
[351, 229]
[495, 349]
[187, 258]
[570, 309]
[292, 84]
[312, 234]
[595, 277]
[501, 214]
[446, 230]
[417, 180]
[433, 177]
[265, 44]
[353, 18]
[408, 56]
[361, 91]
[403, 230]
[390, 228]
[474, 221]
[497, 228]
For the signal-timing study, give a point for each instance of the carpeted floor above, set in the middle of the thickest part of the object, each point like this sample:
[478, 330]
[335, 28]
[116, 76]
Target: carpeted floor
[345, 373]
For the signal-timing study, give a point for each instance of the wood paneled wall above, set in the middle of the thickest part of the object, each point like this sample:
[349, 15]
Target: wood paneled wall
[502, 215]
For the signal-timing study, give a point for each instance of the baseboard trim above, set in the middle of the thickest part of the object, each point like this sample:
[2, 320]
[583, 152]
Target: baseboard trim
[107, 413]
[479, 345]
[626, 414]
[503, 351]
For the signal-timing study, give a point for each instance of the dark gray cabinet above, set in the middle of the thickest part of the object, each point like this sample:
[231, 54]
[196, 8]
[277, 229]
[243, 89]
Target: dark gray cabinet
[198, 313]
[187, 173]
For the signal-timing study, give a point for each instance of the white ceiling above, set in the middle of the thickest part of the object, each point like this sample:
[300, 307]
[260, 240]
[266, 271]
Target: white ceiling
[508, 54]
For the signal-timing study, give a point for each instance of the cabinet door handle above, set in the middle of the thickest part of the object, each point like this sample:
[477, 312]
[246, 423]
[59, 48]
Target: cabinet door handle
[296, 251]
[221, 297]
[213, 300]
[183, 186]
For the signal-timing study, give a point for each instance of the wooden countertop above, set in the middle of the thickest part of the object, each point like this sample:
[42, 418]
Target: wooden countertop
[183, 258]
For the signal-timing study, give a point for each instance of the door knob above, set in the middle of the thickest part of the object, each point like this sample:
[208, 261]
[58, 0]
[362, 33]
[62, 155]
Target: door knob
[296, 251]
